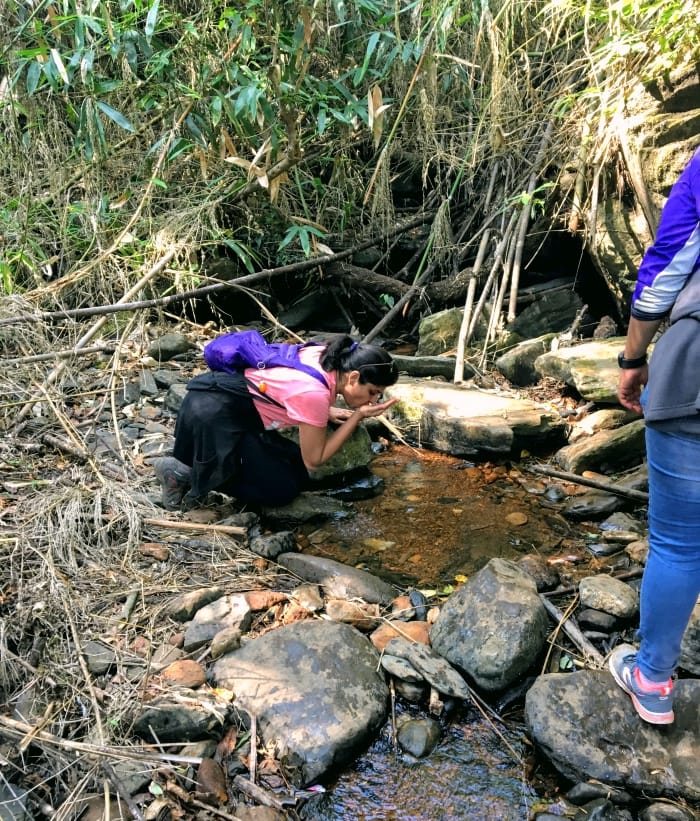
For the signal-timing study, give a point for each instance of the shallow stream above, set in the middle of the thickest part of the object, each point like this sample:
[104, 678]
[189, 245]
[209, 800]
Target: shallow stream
[438, 521]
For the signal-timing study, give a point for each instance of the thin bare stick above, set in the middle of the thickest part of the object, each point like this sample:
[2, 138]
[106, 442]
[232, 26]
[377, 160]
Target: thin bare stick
[224, 530]
[629, 493]
[572, 630]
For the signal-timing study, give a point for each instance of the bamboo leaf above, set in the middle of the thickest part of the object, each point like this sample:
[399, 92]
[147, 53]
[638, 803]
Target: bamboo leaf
[115, 116]
[151, 20]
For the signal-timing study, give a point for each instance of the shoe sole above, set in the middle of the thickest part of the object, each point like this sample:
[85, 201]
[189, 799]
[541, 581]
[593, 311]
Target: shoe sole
[650, 718]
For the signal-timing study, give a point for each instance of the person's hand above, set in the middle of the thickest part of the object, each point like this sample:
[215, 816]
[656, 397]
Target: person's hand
[375, 408]
[339, 415]
[629, 387]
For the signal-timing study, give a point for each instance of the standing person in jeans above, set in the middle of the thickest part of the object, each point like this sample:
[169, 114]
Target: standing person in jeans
[668, 283]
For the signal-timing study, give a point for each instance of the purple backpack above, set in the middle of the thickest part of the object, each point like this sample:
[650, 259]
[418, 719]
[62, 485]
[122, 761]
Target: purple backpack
[234, 352]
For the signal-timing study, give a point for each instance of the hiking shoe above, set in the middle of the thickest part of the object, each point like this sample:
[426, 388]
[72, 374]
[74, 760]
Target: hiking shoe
[653, 702]
[174, 478]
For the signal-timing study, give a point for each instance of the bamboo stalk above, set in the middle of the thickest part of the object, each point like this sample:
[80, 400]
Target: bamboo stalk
[629, 493]
[573, 631]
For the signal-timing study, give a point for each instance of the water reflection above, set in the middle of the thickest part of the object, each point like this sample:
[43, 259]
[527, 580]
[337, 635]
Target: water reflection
[470, 775]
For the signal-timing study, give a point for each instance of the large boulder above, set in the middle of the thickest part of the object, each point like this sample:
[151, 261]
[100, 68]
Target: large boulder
[494, 627]
[463, 420]
[317, 690]
[588, 727]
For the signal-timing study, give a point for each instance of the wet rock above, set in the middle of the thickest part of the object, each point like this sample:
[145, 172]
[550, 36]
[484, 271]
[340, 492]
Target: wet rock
[586, 791]
[413, 692]
[338, 580]
[600, 809]
[666, 812]
[316, 690]
[307, 507]
[597, 504]
[419, 736]
[690, 646]
[356, 490]
[609, 595]
[620, 446]
[588, 727]
[434, 669]
[493, 627]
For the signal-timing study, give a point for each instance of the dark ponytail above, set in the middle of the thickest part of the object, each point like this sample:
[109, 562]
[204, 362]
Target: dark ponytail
[375, 365]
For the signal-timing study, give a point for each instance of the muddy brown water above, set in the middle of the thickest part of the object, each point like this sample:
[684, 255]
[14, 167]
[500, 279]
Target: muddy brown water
[440, 517]
[438, 520]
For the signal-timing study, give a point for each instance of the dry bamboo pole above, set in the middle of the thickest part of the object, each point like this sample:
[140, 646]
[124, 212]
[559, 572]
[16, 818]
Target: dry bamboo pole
[498, 258]
[495, 317]
[525, 219]
[573, 631]
[471, 288]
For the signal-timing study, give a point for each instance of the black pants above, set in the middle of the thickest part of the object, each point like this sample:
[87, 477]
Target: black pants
[220, 435]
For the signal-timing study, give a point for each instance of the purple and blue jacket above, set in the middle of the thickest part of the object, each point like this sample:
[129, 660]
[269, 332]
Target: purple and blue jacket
[669, 282]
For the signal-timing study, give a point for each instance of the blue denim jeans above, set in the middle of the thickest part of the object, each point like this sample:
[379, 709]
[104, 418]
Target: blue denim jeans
[671, 582]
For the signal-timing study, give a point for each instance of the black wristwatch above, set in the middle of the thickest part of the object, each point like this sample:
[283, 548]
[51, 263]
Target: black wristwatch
[631, 364]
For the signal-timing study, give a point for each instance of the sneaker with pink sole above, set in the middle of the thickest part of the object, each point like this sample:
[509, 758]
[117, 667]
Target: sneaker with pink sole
[653, 700]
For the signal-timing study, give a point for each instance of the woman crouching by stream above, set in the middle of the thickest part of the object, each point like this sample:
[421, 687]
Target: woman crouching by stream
[226, 435]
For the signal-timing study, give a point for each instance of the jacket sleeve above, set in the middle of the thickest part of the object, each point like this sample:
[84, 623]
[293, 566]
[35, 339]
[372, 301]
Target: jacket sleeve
[675, 254]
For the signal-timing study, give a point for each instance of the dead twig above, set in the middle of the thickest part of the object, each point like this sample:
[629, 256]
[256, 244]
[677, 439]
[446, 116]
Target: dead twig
[617, 490]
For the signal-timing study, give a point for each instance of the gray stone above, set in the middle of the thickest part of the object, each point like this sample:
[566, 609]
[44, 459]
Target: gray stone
[518, 364]
[316, 689]
[307, 507]
[588, 728]
[147, 384]
[191, 718]
[168, 346]
[401, 668]
[493, 627]
[269, 547]
[418, 736]
[617, 447]
[609, 595]
[338, 580]
[690, 646]
[434, 669]
[99, 656]
[465, 421]
[174, 397]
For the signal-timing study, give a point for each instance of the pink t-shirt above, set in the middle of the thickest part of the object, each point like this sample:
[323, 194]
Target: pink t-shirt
[303, 397]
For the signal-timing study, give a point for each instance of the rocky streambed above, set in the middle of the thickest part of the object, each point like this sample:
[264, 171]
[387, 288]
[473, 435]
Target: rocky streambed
[244, 659]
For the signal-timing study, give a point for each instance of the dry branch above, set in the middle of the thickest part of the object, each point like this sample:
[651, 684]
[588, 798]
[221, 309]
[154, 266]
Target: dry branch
[573, 631]
[609, 487]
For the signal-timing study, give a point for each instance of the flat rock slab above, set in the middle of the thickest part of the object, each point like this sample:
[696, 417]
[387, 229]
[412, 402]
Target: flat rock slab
[588, 727]
[317, 690]
[463, 420]
[339, 581]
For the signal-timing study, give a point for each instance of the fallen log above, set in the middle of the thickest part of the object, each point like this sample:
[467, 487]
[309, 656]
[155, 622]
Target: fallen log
[609, 487]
